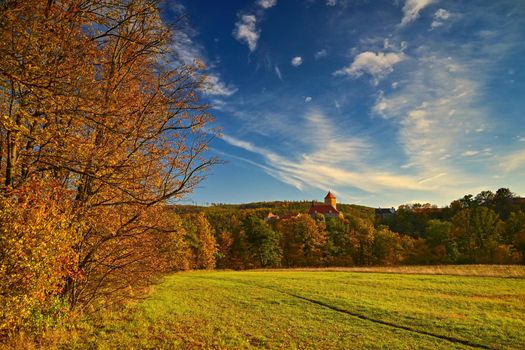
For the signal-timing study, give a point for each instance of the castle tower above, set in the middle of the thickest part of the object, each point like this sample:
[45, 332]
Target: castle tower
[330, 200]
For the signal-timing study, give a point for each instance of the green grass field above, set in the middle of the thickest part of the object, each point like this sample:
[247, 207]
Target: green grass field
[319, 310]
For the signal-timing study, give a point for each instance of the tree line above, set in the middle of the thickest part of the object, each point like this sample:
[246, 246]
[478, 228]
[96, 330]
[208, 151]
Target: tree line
[486, 228]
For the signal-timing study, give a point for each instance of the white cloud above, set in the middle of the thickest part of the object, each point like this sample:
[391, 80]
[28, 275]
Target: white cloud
[214, 86]
[246, 31]
[297, 61]
[433, 177]
[328, 159]
[442, 14]
[186, 50]
[513, 161]
[331, 2]
[189, 52]
[217, 104]
[412, 8]
[307, 99]
[320, 54]
[440, 17]
[266, 4]
[278, 73]
[469, 153]
[431, 136]
[378, 65]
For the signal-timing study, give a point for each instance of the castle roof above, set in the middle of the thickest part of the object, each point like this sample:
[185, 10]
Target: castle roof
[322, 209]
[329, 195]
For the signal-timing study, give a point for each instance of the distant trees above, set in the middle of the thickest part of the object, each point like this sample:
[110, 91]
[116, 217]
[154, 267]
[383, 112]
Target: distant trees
[341, 244]
[302, 241]
[264, 243]
[470, 230]
[477, 232]
[515, 232]
[201, 240]
[439, 239]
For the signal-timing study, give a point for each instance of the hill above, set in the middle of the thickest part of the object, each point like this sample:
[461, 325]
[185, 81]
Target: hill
[280, 208]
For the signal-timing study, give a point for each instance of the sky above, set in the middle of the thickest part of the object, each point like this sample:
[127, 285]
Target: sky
[381, 102]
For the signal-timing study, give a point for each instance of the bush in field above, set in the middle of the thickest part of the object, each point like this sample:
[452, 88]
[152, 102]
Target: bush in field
[36, 255]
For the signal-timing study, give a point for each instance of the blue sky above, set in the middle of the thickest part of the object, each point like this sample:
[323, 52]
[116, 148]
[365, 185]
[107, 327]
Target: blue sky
[383, 102]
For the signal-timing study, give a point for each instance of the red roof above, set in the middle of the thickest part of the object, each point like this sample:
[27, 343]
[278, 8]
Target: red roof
[329, 195]
[322, 209]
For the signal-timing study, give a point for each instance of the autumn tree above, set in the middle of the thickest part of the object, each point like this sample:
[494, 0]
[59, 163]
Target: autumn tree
[201, 239]
[264, 242]
[387, 248]
[364, 235]
[341, 244]
[515, 232]
[172, 247]
[477, 232]
[440, 241]
[302, 241]
[94, 99]
[36, 252]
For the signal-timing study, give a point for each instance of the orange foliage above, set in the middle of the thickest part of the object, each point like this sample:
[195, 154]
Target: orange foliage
[95, 107]
[37, 235]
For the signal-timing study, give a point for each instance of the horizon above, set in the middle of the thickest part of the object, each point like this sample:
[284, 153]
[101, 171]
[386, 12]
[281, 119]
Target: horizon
[385, 103]
[209, 203]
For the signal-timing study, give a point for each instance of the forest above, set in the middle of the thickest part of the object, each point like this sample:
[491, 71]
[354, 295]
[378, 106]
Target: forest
[488, 228]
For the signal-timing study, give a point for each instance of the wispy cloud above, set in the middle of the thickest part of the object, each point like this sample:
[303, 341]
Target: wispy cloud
[246, 31]
[412, 8]
[329, 159]
[278, 73]
[513, 161]
[378, 65]
[470, 153]
[247, 26]
[320, 54]
[331, 2]
[266, 4]
[433, 108]
[440, 17]
[187, 51]
[214, 86]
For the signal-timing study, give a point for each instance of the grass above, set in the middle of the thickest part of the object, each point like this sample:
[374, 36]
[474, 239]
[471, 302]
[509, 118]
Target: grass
[303, 309]
[516, 271]
[297, 309]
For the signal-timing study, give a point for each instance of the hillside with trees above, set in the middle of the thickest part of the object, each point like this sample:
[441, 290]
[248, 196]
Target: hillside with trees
[486, 228]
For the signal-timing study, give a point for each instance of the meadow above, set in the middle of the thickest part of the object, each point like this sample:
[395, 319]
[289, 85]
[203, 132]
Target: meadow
[319, 309]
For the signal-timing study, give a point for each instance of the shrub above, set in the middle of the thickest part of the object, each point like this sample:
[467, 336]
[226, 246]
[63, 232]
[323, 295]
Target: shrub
[36, 255]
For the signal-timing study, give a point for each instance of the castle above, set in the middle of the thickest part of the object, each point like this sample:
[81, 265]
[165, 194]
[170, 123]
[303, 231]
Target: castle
[328, 209]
